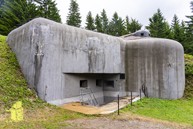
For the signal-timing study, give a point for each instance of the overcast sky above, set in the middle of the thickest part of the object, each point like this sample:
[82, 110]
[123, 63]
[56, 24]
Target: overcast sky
[141, 10]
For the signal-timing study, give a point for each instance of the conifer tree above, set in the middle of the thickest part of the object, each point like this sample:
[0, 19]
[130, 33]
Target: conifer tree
[98, 23]
[189, 28]
[117, 26]
[176, 29]
[134, 26]
[183, 32]
[188, 42]
[167, 31]
[49, 10]
[157, 25]
[74, 17]
[127, 24]
[90, 21]
[105, 22]
[1, 4]
[113, 25]
[122, 28]
[16, 13]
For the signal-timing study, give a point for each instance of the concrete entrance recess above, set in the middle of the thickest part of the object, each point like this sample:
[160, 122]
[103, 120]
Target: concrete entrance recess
[57, 60]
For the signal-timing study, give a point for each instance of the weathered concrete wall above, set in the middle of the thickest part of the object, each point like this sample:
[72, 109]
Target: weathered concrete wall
[54, 57]
[158, 64]
[46, 49]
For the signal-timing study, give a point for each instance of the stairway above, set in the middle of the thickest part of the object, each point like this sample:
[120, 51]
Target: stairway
[87, 91]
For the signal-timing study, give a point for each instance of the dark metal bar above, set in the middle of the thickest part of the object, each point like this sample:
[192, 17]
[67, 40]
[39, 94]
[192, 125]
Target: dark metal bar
[131, 98]
[146, 92]
[118, 104]
[140, 94]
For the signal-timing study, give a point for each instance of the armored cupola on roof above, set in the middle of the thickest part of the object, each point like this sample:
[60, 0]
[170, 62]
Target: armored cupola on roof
[142, 33]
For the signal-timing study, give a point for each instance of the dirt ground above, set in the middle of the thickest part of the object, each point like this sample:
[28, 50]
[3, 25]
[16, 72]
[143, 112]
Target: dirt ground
[113, 124]
[105, 109]
[124, 122]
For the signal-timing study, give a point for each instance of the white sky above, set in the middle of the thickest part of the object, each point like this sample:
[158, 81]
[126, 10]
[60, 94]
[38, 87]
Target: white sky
[141, 10]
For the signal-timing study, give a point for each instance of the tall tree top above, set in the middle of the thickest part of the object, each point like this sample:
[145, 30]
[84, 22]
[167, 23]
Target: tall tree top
[98, 23]
[48, 9]
[157, 25]
[104, 21]
[74, 17]
[90, 21]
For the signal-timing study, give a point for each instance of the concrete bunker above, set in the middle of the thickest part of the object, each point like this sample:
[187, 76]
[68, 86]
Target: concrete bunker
[57, 60]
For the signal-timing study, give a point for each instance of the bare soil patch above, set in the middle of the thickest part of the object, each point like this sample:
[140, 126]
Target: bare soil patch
[106, 123]
[124, 121]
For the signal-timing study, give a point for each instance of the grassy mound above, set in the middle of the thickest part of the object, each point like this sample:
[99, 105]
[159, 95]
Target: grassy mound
[13, 86]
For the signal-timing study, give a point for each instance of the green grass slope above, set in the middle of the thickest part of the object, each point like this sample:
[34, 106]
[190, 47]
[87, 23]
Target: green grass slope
[13, 86]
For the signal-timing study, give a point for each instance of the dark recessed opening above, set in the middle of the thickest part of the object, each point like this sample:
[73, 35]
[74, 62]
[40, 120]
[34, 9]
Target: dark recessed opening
[149, 35]
[99, 82]
[142, 34]
[109, 83]
[83, 83]
[122, 76]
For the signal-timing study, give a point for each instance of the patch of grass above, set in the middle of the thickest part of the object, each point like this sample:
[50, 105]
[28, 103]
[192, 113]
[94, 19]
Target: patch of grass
[180, 111]
[43, 118]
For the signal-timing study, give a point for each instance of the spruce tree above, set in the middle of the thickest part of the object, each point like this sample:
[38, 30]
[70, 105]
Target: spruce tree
[113, 25]
[90, 21]
[117, 26]
[49, 10]
[176, 29]
[157, 25]
[15, 13]
[168, 34]
[105, 22]
[188, 42]
[74, 17]
[189, 28]
[127, 24]
[122, 28]
[134, 26]
[98, 23]
[183, 32]
[1, 5]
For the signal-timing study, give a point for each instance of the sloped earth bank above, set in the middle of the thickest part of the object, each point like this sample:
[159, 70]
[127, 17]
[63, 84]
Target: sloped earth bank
[135, 123]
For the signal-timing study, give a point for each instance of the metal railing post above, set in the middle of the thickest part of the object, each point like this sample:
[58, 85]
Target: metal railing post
[140, 94]
[131, 98]
[146, 92]
[118, 104]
